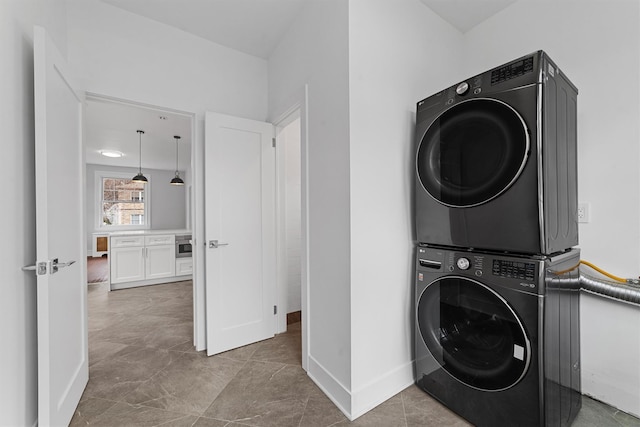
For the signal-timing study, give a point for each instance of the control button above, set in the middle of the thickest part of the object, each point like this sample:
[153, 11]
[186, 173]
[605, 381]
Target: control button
[462, 88]
[478, 273]
[451, 268]
[463, 263]
[477, 90]
[450, 101]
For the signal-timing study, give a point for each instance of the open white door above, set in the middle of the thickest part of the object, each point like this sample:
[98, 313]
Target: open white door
[63, 369]
[240, 228]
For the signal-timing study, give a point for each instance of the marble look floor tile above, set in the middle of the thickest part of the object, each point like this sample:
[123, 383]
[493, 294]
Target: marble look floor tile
[185, 347]
[285, 348]
[100, 350]
[88, 410]
[626, 420]
[114, 377]
[422, 410]
[389, 414]
[209, 422]
[240, 353]
[321, 412]
[188, 385]
[123, 414]
[151, 331]
[171, 308]
[264, 393]
[596, 413]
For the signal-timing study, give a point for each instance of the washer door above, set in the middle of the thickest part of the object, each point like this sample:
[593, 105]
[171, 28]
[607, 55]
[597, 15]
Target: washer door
[472, 152]
[473, 333]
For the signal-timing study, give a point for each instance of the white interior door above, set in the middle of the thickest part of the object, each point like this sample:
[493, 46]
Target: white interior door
[62, 289]
[240, 217]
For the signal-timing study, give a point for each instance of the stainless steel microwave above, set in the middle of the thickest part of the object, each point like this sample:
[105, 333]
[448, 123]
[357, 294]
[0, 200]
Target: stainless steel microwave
[183, 246]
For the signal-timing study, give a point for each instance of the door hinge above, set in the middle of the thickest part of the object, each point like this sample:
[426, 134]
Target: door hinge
[275, 310]
[273, 142]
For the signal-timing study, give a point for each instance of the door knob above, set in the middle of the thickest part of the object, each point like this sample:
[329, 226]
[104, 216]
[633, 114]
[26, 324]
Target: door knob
[213, 244]
[53, 266]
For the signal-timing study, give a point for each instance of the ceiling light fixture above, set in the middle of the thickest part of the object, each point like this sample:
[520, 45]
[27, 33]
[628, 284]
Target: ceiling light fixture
[177, 180]
[139, 177]
[111, 153]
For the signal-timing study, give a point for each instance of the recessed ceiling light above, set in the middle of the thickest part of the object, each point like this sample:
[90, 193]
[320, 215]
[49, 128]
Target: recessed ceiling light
[111, 153]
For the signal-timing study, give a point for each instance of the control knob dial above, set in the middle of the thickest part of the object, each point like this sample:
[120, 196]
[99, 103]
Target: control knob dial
[463, 263]
[462, 88]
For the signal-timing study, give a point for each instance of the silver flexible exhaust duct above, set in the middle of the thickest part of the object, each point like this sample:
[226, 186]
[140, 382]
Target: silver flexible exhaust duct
[619, 291]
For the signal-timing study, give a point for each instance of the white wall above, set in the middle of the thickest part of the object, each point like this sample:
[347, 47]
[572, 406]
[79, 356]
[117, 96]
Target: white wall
[120, 54]
[291, 138]
[597, 45]
[399, 52]
[315, 52]
[18, 363]
[168, 209]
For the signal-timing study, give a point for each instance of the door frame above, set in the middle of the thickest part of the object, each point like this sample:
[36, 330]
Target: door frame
[194, 220]
[298, 106]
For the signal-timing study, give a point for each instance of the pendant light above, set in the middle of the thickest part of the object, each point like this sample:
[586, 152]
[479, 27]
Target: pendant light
[139, 177]
[177, 180]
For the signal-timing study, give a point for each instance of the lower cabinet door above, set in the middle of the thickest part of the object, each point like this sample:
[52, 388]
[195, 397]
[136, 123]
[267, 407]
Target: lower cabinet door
[160, 261]
[127, 264]
[184, 266]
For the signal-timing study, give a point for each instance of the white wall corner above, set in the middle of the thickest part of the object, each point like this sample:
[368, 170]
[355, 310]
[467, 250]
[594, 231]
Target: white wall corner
[335, 391]
[381, 389]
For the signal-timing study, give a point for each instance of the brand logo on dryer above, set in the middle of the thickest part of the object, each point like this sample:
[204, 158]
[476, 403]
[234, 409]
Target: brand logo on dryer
[527, 285]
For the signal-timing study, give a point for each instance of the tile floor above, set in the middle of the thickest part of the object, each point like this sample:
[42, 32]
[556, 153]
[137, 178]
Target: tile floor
[144, 371]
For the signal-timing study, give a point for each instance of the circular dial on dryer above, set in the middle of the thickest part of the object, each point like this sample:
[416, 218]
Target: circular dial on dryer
[463, 263]
[462, 88]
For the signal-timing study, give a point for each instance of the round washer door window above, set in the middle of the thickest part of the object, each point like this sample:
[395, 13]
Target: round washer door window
[473, 333]
[472, 152]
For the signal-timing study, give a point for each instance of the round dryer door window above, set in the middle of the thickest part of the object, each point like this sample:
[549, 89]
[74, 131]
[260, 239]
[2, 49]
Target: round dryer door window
[472, 152]
[473, 333]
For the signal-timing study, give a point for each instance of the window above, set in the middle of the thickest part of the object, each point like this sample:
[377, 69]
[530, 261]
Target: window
[121, 202]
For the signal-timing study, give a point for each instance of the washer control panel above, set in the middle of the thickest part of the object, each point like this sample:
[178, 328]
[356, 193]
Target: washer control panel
[514, 269]
[469, 263]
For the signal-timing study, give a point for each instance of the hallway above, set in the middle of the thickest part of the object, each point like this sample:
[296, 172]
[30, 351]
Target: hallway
[143, 370]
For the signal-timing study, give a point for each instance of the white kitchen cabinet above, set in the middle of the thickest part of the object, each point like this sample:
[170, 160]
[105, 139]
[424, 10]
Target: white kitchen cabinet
[144, 260]
[184, 266]
[160, 261]
[126, 259]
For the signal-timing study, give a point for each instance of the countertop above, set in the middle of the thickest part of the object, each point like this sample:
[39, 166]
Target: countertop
[142, 232]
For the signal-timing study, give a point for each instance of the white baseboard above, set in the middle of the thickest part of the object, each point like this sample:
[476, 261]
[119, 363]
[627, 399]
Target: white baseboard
[357, 403]
[381, 389]
[334, 390]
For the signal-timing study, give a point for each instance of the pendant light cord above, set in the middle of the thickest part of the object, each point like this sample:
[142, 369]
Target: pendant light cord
[140, 132]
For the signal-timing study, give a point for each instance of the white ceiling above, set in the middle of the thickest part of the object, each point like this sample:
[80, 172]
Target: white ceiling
[251, 26]
[112, 126]
[466, 14]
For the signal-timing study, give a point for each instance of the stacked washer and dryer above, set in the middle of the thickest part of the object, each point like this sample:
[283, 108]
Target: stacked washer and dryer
[497, 280]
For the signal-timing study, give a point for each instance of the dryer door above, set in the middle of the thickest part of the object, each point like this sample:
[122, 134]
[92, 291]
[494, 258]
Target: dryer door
[473, 333]
[472, 152]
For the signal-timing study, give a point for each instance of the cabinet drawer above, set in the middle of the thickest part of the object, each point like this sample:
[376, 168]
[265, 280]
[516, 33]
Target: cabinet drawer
[126, 241]
[160, 239]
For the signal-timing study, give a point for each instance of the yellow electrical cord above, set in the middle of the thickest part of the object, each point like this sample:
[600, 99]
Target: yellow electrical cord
[599, 270]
